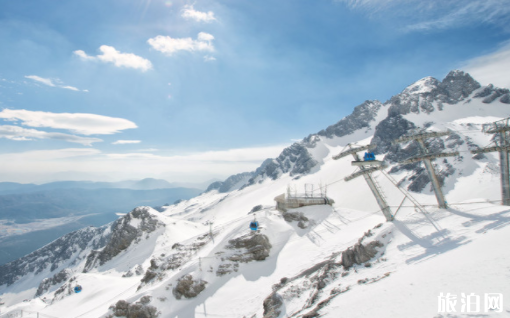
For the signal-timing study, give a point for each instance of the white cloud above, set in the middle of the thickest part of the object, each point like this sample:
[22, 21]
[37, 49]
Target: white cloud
[49, 82]
[123, 142]
[491, 68]
[71, 88]
[169, 45]
[111, 55]
[44, 166]
[83, 55]
[85, 124]
[45, 81]
[209, 58]
[189, 13]
[205, 37]
[19, 133]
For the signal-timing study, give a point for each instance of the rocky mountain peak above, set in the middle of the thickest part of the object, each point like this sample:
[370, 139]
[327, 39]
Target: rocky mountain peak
[458, 85]
[425, 85]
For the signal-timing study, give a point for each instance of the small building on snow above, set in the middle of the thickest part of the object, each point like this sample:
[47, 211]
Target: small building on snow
[284, 202]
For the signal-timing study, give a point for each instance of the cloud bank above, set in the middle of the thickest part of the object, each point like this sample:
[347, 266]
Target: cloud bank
[19, 133]
[491, 68]
[49, 165]
[84, 124]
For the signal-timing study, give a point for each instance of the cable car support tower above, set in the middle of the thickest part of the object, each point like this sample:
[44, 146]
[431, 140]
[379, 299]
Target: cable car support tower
[426, 157]
[366, 169]
[500, 127]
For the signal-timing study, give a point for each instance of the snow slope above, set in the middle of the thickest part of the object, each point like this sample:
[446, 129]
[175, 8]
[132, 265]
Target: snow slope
[305, 272]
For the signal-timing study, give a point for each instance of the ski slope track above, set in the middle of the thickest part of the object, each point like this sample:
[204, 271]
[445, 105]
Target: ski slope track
[199, 259]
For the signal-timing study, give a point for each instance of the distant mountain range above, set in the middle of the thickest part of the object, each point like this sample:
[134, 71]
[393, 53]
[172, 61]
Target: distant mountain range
[144, 184]
[25, 205]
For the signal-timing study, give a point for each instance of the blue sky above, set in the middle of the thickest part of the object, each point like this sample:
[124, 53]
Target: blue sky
[189, 91]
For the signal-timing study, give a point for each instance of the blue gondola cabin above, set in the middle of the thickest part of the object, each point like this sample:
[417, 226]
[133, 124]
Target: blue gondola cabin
[369, 156]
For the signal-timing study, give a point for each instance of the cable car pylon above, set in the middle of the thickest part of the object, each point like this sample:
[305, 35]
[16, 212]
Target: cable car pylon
[426, 157]
[367, 167]
[502, 145]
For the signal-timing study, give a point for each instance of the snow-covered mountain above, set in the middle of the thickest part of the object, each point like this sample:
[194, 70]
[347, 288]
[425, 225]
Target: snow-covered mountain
[198, 258]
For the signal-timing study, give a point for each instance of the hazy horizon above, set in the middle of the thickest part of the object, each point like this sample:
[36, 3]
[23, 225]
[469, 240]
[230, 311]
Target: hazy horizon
[186, 92]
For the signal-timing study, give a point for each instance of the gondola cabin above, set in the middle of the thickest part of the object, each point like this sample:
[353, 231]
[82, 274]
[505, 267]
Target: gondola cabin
[254, 225]
[369, 156]
[77, 289]
[368, 160]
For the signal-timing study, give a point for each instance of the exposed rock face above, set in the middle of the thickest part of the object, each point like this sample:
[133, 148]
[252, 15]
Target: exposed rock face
[138, 270]
[299, 217]
[65, 290]
[458, 85]
[140, 309]
[389, 129]
[360, 118]
[272, 305]
[490, 93]
[60, 253]
[187, 287]
[244, 249]
[256, 247]
[428, 93]
[359, 253]
[293, 160]
[181, 254]
[231, 183]
[124, 232]
[58, 278]
[505, 99]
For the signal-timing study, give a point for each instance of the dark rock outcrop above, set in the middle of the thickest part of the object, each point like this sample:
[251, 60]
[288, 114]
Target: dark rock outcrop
[299, 217]
[272, 305]
[294, 160]
[490, 93]
[359, 253]
[255, 247]
[56, 279]
[140, 309]
[188, 287]
[389, 129]
[181, 253]
[360, 118]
